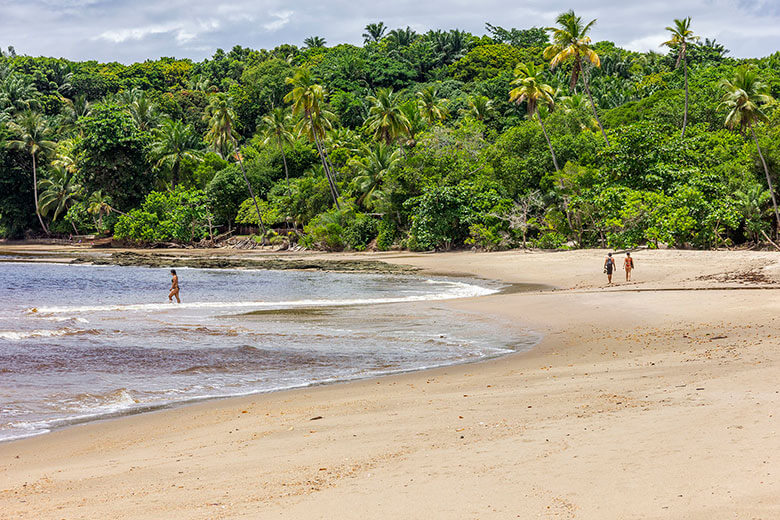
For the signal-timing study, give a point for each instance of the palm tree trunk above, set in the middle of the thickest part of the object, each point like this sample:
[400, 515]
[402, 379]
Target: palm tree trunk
[685, 113]
[284, 160]
[333, 191]
[549, 144]
[251, 191]
[768, 178]
[175, 174]
[593, 105]
[35, 191]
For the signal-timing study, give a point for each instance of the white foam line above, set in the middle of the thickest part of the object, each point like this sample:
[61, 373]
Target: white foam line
[457, 290]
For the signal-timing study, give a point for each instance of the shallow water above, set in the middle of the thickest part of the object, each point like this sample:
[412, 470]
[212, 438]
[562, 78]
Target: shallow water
[80, 342]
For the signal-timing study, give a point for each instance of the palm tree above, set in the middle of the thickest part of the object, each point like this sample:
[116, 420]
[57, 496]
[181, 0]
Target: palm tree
[307, 98]
[401, 37]
[431, 106]
[222, 137]
[275, 128]
[533, 92]
[314, 42]
[743, 97]
[73, 110]
[142, 109]
[415, 124]
[572, 43]
[58, 192]
[374, 32]
[385, 118]
[100, 205]
[378, 161]
[33, 132]
[173, 143]
[750, 203]
[480, 108]
[681, 37]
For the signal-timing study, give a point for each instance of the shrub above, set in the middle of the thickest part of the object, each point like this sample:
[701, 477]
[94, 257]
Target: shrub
[181, 215]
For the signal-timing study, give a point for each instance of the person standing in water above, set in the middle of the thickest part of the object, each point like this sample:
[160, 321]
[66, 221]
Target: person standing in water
[628, 265]
[174, 287]
[609, 266]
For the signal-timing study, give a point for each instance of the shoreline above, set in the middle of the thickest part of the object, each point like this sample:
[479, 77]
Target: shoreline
[549, 433]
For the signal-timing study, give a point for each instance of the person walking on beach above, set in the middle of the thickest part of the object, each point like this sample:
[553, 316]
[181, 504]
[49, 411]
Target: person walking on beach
[609, 266]
[174, 287]
[628, 265]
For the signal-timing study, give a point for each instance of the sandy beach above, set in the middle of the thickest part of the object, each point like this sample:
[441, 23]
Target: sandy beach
[653, 399]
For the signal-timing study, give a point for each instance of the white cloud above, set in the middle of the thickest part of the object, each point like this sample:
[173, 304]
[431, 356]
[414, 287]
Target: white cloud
[281, 18]
[136, 33]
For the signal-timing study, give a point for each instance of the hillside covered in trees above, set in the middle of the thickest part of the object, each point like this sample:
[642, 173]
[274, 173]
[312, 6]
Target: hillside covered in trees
[541, 137]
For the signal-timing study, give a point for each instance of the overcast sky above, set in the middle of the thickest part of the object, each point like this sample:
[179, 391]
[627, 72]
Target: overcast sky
[134, 30]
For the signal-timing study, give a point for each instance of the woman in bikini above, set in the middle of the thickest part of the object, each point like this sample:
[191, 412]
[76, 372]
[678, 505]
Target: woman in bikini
[174, 287]
[628, 265]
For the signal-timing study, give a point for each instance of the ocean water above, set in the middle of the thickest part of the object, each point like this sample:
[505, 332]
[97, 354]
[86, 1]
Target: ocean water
[80, 343]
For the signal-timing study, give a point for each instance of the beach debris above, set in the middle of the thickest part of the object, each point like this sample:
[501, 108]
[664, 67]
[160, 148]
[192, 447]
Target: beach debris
[316, 418]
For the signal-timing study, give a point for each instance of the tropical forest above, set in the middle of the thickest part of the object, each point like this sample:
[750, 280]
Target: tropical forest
[541, 137]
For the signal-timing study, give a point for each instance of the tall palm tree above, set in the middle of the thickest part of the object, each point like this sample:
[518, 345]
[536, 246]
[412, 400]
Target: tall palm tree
[222, 137]
[401, 37]
[275, 128]
[480, 108]
[681, 37]
[385, 118]
[531, 90]
[58, 192]
[572, 43]
[415, 122]
[33, 134]
[313, 42]
[173, 143]
[307, 98]
[142, 109]
[374, 32]
[431, 105]
[743, 97]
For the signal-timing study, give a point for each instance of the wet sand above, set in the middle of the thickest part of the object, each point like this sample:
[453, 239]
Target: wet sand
[655, 399]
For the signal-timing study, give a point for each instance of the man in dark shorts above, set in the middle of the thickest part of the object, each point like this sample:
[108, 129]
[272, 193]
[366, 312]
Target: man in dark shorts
[174, 287]
[609, 266]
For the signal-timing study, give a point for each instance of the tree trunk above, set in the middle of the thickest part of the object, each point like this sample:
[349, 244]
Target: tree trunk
[35, 191]
[592, 104]
[333, 190]
[549, 144]
[251, 191]
[768, 178]
[685, 113]
[284, 160]
[175, 174]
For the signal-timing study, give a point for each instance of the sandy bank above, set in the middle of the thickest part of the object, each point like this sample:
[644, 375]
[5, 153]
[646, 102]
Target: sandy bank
[641, 402]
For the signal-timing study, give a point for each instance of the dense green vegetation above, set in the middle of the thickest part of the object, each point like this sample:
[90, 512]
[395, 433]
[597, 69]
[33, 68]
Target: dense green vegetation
[521, 137]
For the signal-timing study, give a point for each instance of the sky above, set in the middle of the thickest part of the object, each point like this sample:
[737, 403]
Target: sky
[136, 30]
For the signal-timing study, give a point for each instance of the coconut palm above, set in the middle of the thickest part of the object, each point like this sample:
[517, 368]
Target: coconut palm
[480, 108]
[17, 94]
[221, 136]
[385, 117]
[431, 105]
[99, 204]
[314, 42]
[142, 109]
[743, 97]
[173, 143]
[681, 37]
[571, 43]
[73, 110]
[275, 128]
[531, 90]
[374, 32]
[415, 123]
[307, 98]
[32, 134]
[58, 192]
[377, 162]
[401, 37]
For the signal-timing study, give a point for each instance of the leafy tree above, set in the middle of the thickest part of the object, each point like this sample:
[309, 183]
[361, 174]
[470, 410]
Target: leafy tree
[33, 134]
[743, 97]
[179, 215]
[572, 43]
[682, 36]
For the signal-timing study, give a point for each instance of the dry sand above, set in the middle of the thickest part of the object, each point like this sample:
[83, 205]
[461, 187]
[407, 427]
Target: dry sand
[640, 402]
